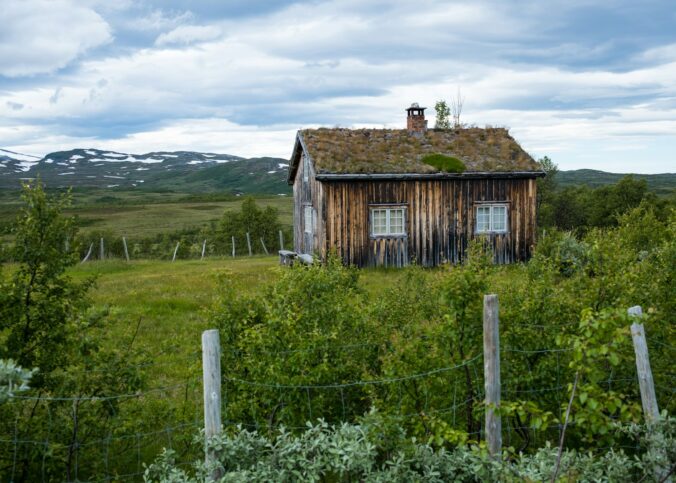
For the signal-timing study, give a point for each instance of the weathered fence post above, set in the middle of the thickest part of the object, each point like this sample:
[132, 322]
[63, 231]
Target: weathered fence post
[101, 250]
[248, 242]
[264, 248]
[645, 375]
[204, 247]
[124, 244]
[211, 376]
[89, 252]
[281, 240]
[233, 247]
[492, 375]
[646, 384]
[175, 251]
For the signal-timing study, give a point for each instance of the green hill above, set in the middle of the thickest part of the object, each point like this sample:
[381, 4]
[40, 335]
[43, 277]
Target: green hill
[662, 184]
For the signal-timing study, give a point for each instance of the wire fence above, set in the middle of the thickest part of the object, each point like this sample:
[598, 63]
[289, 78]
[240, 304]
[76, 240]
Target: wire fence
[104, 437]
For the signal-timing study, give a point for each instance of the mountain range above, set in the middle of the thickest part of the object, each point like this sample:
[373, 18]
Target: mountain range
[195, 172]
[177, 171]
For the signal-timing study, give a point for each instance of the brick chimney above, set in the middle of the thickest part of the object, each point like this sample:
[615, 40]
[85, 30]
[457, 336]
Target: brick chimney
[415, 120]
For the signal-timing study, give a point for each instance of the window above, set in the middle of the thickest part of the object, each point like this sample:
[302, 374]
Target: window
[491, 219]
[307, 213]
[306, 168]
[388, 221]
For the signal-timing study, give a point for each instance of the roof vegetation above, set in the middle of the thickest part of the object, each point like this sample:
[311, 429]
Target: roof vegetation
[368, 151]
[447, 164]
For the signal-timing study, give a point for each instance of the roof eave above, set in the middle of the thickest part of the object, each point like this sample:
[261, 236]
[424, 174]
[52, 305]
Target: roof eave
[425, 176]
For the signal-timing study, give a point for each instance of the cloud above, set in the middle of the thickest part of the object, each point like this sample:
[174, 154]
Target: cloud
[15, 106]
[42, 36]
[179, 85]
[188, 34]
[159, 19]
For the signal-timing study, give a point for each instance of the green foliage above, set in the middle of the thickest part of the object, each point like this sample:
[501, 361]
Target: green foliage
[39, 302]
[47, 324]
[582, 208]
[601, 343]
[447, 164]
[443, 120]
[259, 223]
[345, 452]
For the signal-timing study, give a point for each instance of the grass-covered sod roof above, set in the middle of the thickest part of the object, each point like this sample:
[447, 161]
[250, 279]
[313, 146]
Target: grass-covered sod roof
[381, 151]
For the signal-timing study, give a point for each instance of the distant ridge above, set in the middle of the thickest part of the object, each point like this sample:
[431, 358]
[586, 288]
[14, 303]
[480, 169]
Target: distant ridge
[662, 184]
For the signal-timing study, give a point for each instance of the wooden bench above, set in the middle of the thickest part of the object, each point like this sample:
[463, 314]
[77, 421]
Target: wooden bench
[287, 257]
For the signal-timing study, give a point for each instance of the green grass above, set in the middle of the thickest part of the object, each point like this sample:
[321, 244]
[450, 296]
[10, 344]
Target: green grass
[140, 216]
[163, 306]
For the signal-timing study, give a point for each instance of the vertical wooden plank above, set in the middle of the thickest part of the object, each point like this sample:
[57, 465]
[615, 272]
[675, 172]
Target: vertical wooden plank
[211, 377]
[492, 374]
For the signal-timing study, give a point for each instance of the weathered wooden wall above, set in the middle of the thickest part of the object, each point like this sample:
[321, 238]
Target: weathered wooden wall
[307, 193]
[440, 219]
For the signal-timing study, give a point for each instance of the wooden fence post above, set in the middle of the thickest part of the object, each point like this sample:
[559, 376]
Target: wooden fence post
[281, 240]
[126, 252]
[211, 376]
[264, 248]
[233, 247]
[492, 375]
[89, 252]
[248, 242]
[645, 375]
[101, 250]
[646, 384]
[175, 251]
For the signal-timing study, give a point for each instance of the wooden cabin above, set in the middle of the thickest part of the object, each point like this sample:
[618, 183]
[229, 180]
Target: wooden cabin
[387, 197]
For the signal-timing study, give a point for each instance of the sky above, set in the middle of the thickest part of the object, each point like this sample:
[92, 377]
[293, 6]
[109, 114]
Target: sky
[591, 84]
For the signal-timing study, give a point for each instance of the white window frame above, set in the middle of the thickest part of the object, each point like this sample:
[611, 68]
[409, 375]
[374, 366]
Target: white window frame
[489, 226]
[388, 211]
[308, 219]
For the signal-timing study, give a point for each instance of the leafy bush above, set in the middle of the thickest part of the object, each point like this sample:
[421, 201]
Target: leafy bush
[447, 164]
[352, 453]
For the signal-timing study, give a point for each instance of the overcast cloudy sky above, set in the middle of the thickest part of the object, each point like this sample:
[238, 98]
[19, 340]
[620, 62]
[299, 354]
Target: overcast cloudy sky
[592, 84]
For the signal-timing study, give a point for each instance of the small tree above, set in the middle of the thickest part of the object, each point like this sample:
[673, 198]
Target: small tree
[456, 108]
[259, 223]
[39, 303]
[443, 114]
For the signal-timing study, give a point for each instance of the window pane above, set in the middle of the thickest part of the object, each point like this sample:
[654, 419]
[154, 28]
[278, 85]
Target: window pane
[308, 219]
[483, 219]
[379, 220]
[396, 221]
[499, 218]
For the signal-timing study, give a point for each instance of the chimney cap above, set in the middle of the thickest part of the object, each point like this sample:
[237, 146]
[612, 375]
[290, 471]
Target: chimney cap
[415, 107]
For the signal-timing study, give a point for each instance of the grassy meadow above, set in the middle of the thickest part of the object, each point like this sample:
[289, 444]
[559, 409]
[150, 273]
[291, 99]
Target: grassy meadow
[142, 214]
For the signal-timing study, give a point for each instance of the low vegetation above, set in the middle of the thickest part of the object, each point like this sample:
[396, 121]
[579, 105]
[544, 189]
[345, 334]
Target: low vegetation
[389, 361]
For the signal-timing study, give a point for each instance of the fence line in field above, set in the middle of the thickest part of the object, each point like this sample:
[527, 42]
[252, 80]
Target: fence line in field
[200, 247]
[558, 390]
